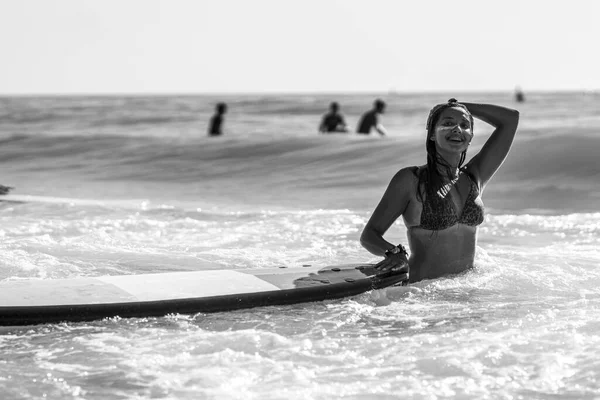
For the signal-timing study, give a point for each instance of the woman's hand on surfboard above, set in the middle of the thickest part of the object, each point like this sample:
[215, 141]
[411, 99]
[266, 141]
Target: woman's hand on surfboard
[396, 263]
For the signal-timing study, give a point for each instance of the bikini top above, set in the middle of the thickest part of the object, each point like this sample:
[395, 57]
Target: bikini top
[439, 211]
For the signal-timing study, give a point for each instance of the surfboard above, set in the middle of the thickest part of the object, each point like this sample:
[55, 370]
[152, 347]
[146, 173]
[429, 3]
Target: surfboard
[37, 301]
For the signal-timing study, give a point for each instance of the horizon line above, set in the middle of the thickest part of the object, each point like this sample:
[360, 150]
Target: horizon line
[250, 93]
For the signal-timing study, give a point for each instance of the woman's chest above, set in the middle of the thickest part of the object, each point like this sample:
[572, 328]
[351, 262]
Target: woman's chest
[445, 206]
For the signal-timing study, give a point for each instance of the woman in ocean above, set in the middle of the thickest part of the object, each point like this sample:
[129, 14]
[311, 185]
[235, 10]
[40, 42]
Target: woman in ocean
[440, 201]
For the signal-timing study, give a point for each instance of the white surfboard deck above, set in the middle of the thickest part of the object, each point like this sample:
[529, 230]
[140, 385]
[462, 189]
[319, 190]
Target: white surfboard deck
[27, 301]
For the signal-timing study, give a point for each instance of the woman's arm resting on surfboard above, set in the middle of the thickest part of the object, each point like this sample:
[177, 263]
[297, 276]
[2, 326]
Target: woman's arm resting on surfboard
[390, 208]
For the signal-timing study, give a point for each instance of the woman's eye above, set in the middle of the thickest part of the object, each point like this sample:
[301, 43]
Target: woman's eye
[465, 126]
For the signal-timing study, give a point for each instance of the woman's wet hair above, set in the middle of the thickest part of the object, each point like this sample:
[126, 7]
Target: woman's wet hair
[434, 114]
[430, 179]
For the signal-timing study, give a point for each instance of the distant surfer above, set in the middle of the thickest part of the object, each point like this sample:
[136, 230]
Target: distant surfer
[333, 121]
[5, 189]
[440, 202]
[370, 119]
[216, 122]
[519, 96]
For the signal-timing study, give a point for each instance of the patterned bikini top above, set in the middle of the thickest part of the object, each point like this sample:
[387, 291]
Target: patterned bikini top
[439, 211]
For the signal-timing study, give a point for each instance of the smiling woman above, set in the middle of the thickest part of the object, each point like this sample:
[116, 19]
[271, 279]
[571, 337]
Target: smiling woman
[440, 201]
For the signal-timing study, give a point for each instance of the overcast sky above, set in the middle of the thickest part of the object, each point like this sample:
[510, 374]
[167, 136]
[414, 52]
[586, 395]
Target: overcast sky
[209, 46]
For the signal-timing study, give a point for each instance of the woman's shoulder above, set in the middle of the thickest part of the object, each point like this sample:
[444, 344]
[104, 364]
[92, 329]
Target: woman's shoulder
[419, 168]
[407, 175]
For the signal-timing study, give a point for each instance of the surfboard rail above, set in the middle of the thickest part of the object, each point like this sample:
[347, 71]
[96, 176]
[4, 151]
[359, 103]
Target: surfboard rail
[280, 286]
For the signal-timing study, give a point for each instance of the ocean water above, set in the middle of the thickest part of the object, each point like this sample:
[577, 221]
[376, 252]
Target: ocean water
[140, 188]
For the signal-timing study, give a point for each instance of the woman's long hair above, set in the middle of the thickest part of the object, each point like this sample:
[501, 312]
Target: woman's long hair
[430, 178]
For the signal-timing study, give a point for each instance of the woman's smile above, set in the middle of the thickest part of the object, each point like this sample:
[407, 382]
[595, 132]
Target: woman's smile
[454, 138]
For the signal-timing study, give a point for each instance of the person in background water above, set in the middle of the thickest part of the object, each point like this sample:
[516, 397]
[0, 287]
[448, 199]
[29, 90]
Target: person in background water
[216, 121]
[519, 95]
[5, 189]
[370, 119]
[333, 121]
[440, 202]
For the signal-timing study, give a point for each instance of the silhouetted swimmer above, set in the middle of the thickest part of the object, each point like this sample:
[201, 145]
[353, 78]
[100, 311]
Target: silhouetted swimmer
[370, 119]
[217, 120]
[519, 96]
[333, 121]
[5, 189]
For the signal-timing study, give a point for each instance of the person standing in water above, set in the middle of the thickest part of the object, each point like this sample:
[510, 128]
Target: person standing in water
[216, 122]
[333, 121]
[370, 119]
[440, 202]
[519, 95]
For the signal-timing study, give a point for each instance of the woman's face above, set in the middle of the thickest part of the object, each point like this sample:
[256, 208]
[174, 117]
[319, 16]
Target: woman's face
[453, 131]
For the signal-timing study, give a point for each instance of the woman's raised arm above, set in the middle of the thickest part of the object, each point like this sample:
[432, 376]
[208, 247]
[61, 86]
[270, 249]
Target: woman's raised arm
[494, 151]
